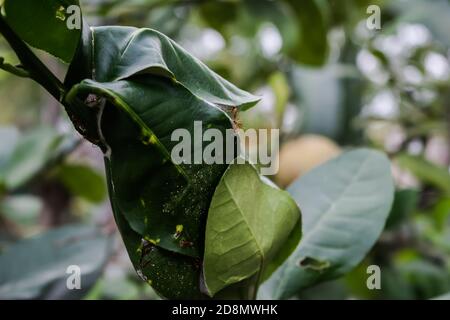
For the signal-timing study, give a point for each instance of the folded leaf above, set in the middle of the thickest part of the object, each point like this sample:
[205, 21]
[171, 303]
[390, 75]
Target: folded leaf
[155, 194]
[172, 276]
[345, 204]
[122, 52]
[245, 230]
[145, 87]
[154, 197]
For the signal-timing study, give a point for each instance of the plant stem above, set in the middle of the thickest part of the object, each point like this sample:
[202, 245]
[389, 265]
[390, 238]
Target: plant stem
[30, 63]
[13, 70]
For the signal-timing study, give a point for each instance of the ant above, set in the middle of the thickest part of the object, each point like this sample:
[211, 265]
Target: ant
[186, 244]
[145, 248]
[237, 124]
[93, 101]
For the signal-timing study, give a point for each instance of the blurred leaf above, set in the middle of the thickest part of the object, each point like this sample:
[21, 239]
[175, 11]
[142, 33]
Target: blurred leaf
[353, 88]
[31, 154]
[244, 233]
[167, 20]
[8, 140]
[9, 137]
[23, 210]
[36, 268]
[441, 213]
[280, 87]
[43, 25]
[330, 290]
[394, 286]
[405, 203]
[350, 12]
[312, 47]
[419, 278]
[435, 15]
[345, 204]
[426, 171]
[256, 13]
[219, 13]
[356, 282]
[322, 109]
[83, 182]
[115, 289]
[443, 297]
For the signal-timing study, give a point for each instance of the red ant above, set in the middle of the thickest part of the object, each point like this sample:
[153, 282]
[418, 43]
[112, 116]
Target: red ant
[237, 124]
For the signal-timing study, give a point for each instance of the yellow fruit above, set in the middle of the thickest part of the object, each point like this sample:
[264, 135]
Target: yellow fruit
[303, 154]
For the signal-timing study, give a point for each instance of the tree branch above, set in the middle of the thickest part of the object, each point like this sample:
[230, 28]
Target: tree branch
[33, 67]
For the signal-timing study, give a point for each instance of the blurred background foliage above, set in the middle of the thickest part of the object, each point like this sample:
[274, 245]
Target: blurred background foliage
[327, 81]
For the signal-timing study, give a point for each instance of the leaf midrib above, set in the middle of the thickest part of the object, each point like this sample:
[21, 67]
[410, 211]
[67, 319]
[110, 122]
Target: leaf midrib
[327, 211]
[245, 220]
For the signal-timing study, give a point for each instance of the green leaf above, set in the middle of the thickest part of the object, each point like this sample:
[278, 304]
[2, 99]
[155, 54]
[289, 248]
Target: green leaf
[441, 213]
[145, 86]
[43, 25]
[405, 202]
[80, 67]
[122, 52]
[280, 87]
[31, 154]
[151, 195]
[219, 14]
[36, 268]
[172, 276]
[426, 171]
[277, 12]
[120, 289]
[412, 276]
[23, 210]
[9, 136]
[345, 204]
[312, 47]
[245, 231]
[82, 181]
[324, 112]
[137, 125]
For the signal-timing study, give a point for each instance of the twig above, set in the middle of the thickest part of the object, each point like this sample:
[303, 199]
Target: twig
[15, 70]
